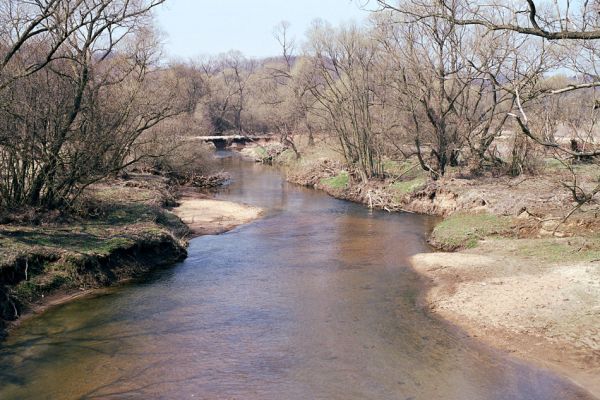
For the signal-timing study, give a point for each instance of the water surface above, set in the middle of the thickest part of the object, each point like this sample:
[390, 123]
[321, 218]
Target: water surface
[315, 301]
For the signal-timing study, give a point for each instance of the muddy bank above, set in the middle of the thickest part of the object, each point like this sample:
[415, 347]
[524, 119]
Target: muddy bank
[133, 233]
[45, 276]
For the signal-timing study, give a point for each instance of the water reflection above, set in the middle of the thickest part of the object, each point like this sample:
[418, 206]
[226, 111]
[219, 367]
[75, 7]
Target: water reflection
[315, 301]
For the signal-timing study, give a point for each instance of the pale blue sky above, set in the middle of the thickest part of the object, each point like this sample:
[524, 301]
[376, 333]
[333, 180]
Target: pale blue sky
[208, 27]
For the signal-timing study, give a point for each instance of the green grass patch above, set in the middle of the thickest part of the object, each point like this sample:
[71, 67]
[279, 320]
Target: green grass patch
[465, 230]
[112, 244]
[72, 240]
[582, 169]
[78, 240]
[339, 181]
[553, 164]
[124, 194]
[392, 167]
[406, 187]
[287, 157]
[127, 214]
[116, 226]
[407, 169]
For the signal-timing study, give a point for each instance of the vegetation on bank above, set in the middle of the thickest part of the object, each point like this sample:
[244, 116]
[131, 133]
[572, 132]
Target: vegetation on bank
[466, 230]
[552, 251]
[122, 229]
[338, 182]
[527, 212]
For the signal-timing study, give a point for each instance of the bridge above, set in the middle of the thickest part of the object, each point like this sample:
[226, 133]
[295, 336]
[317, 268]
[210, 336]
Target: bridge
[222, 142]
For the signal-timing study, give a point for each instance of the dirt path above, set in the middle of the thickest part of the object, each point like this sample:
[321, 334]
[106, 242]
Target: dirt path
[546, 313]
[211, 217]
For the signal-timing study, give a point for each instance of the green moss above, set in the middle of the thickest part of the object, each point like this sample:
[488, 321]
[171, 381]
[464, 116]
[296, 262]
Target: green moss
[340, 181]
[465, 230]
[31, 290]
[406, 187]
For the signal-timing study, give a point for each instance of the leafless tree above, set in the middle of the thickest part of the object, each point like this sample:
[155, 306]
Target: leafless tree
[79, 84]
[344, 65]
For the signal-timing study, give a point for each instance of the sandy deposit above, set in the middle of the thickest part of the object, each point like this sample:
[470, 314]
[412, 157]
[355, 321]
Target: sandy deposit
[211, 217]
[546, 313]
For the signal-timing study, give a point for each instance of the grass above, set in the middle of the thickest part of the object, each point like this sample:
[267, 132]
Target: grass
[407, 169]
[123, 215]
[587, 170]
[339, 181]
[553, 250]
[38, 286]
[261, 152]
[552, 164]
[287, 157]
[118, 227]
[101, 242]
[406, 187]
[465, 231]
[125, 194]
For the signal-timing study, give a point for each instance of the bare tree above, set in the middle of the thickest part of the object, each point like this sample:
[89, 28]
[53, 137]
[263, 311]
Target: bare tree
[552, 20]
[344, 65]
[76, 95]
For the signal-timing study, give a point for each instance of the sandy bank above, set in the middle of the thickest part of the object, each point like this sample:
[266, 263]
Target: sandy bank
[210, 217]
[546, 313]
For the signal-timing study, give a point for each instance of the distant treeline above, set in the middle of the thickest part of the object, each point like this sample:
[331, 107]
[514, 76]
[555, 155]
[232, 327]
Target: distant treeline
[84, 92]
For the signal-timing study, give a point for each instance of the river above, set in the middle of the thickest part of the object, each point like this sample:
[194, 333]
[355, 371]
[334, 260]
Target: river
[314, 301]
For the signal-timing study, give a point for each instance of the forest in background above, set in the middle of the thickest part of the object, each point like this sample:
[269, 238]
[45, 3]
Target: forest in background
[85, 92]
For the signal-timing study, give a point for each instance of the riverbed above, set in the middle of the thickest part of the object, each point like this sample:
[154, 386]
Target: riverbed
[314, 301]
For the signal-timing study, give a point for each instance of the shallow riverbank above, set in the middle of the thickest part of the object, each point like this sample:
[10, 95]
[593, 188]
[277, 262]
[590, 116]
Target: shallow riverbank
[205, 216]
[516, 281]
[548, 313]
[47, 265]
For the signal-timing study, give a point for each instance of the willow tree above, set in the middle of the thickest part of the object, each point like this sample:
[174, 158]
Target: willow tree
[345, 61]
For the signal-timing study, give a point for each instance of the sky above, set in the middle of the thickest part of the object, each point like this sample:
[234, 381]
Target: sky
[194, 28]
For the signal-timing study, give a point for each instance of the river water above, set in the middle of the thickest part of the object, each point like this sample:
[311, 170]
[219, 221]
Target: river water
[314, 301]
